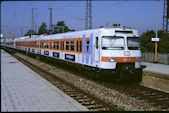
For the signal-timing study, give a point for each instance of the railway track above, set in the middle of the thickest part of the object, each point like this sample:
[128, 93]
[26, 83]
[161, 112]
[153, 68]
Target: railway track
[90, 101]
[125, 97]
[154, 97]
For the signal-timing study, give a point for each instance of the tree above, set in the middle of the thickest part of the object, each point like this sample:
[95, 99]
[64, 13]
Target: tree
[60, 27]
[30, 32]
[163, 44]
[43, 29]
[148, 46]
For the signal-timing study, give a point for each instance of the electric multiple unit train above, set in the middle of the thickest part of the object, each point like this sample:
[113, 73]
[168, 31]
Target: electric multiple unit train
[110, 52]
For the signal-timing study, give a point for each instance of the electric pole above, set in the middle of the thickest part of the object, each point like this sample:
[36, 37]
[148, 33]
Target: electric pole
[50, 26]
[90, 14]
[166, 16]
[88, 23]
[32, 20]
[36, 21]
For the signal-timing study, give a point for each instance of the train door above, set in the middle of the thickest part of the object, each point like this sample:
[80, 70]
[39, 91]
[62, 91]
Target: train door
[97, 53]
[62, 49]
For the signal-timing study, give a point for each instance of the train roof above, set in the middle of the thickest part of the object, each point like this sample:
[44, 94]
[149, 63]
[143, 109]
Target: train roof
[73, 34]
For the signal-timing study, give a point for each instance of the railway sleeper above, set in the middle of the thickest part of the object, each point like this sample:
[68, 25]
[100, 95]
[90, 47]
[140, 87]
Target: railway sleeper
[70, 91]
[97, 107]
[78, 97]
[87, 103]
[73, 94]
[83, 100]
[164, 99]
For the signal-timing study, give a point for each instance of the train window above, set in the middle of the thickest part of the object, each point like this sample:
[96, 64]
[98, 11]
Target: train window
[80, 46]
[72, 45]
[87, 45]
[47, 44]
[63, 45]
[67, 45]
[133, 43]
[112, 43]
[38, 44]
[54, 45]
[77, 46]
[97, 42]
[60, 45]
[57, 45]
[44, 44]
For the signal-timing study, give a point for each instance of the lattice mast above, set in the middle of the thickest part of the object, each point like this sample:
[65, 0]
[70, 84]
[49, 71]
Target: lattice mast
[88, 23]
[166, 16]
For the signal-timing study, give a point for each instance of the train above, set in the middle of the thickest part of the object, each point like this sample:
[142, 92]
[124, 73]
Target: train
[109, 52]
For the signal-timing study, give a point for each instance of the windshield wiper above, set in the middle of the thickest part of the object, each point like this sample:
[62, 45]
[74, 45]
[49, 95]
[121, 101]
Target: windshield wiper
[113, 42]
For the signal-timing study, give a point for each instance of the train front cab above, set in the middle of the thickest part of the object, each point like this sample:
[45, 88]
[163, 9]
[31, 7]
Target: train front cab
[121, 58]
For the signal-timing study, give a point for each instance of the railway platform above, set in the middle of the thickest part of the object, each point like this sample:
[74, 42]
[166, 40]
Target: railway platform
[156, 76]
[24, 90]
[159, 68]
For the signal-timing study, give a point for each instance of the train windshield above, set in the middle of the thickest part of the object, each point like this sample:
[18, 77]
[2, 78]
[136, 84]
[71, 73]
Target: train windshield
[133, 43]
[112, 43]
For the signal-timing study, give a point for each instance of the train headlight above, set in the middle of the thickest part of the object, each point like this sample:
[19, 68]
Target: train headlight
[127, 53]
[138, 59]
[111, 59]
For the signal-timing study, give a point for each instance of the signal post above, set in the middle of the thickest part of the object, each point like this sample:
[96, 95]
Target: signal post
[155, 40]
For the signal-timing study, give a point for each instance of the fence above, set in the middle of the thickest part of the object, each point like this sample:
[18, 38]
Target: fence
[161, 58]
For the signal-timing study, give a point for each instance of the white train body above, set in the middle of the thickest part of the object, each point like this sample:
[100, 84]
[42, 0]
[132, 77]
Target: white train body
[101, 48]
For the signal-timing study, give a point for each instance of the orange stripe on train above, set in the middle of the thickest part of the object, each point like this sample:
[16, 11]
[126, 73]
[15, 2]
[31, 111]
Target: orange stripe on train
[120, 59]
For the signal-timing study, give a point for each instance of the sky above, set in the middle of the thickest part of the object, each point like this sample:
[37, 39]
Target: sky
[16, 16]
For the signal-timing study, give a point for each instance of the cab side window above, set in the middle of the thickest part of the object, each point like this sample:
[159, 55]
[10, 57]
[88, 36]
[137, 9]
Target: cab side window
[80, 46]
[97, 41]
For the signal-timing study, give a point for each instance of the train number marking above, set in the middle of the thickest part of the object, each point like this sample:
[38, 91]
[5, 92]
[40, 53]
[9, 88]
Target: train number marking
[55, 54]
[46, 52]
[70, 57]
